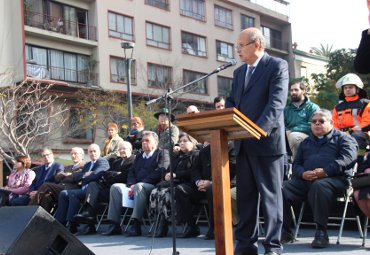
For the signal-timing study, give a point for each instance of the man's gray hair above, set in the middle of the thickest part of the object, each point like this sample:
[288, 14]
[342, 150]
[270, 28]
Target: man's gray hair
[78, 150]
[256, 35]
[127, 144]
[325, 113]
[46, 149]
[153, 134]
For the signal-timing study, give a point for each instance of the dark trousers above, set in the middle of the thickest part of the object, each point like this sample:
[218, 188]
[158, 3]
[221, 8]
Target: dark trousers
[69, 202]
[319, 194]
[95, 194]
[186, 195]
[47, 196]
[259, 178]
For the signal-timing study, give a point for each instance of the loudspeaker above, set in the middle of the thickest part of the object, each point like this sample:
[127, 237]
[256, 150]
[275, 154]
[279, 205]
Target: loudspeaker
[32, 230]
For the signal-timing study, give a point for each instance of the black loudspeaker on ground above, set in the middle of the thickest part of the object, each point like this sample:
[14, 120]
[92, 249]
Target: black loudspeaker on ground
[30, 230]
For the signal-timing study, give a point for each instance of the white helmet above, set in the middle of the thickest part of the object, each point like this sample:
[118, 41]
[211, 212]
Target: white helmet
[350, 78]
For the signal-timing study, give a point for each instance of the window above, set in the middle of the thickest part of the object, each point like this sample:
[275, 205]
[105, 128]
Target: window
[224, 86]
[193, 9]
[159, 76]
[273, 38]
[118, 70]
[193, 44]
[246, 21]
[163, 4]
[199, 87]
[57, 65]
[121, 26]
[225, 51]
[223, 17]
[80, 125]
[158, 36]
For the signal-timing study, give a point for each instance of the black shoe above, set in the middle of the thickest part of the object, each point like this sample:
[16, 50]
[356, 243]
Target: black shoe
[210, 234]
[113, 229]
[321, 239]
[88, 230]
[135, 229]
[162, 229]
[190, 231]
[286, 237]
[84, 217]
[73, 227]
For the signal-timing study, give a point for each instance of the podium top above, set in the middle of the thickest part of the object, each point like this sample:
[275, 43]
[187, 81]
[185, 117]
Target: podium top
[232, 121]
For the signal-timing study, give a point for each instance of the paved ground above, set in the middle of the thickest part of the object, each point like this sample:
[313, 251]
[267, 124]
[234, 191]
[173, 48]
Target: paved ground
[122, 245]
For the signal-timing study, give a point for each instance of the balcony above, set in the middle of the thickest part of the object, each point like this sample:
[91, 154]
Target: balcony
[83, 77]
[59, 25]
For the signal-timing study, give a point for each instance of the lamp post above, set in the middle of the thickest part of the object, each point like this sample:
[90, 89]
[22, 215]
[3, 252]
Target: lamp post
[128, 61]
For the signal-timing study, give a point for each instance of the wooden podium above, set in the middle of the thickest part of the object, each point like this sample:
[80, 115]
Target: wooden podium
[217, 127]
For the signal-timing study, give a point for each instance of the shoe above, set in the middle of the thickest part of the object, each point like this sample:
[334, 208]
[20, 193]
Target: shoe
[73, 227]
[190, 231]
[162, 229]
[210, 234]
[84, 217]
[287, 237]
[135, 229]
[88, 230]
[113, 229]
[321, 239]
[272, 253]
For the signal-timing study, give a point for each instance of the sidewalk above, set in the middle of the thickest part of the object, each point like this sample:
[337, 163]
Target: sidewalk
[122, 245]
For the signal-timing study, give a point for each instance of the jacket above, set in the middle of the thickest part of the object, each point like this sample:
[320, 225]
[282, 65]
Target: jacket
[362, 59]
[298, 119]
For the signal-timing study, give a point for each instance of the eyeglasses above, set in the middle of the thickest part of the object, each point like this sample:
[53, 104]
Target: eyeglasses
[46, 155]
[237, 47]
[321, 121]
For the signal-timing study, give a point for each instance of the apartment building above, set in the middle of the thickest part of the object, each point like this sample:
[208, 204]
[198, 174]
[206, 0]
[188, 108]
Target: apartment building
[77, 43]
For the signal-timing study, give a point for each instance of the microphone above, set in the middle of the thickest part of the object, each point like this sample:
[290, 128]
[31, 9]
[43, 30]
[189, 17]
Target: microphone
[224, 66]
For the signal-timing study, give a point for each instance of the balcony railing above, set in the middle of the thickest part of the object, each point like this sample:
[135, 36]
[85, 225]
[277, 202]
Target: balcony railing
[62, 74]
[274, 43]
[59, 25]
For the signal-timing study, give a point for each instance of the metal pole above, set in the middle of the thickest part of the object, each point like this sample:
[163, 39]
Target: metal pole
[129, 95]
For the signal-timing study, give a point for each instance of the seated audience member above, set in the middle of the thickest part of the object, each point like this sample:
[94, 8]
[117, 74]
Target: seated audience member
[69, 200]
[18, 183]
[219, 103]
[352, 115]
[198, 189]
[47, 196]
[362, 59]
[44, 173]
[297, 116]
[192, 109]
[142, 178]
[110, 149]
[362, 196]
[321, 170]
[163, 130]
[136, 134]
[99, 191]
[160, 198]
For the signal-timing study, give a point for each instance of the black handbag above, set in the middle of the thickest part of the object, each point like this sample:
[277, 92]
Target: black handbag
[360, 181]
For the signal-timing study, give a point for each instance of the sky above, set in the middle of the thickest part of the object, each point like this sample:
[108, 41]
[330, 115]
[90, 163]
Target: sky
[334, 22]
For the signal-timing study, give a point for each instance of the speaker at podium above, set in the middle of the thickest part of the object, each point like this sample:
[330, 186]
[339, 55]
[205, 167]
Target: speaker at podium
[30, 230]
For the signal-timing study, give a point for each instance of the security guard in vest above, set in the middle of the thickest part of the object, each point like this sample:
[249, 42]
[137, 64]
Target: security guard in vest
[352, 114]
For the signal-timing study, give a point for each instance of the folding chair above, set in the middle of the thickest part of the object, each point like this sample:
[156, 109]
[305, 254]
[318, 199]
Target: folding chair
[103, 215]
[365, 231]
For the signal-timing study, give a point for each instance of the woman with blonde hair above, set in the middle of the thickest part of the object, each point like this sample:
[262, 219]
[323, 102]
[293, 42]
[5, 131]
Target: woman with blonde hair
[111, 144]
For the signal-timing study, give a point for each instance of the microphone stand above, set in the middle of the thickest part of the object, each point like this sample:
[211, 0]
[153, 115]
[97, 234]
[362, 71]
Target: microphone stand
[168, 100]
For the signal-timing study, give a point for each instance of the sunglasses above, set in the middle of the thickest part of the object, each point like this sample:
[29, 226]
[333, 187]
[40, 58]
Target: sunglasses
[321, 121]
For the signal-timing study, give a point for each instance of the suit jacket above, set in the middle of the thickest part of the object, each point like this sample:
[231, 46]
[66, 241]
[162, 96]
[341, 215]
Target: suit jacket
[118, 172]
[263, 102]
[362, 59]
[68, 181]
[45, 175]
[100, 166]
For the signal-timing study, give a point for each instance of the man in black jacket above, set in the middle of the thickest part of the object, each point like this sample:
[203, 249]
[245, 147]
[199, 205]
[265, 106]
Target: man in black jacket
[362, 60]
[320, 174]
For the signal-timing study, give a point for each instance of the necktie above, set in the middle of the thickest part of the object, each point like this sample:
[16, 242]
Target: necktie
[248, 76]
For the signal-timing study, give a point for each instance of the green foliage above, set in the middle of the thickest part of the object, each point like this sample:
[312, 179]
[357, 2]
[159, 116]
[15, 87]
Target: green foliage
[327, 95]
[340, 63]
[324, 51]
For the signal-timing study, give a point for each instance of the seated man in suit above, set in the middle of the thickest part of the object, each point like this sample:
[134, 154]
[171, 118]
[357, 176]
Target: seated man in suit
[321, 170]
[44, 173]
[145, 173]
[99, 191]
[69, 200]
[48, 193]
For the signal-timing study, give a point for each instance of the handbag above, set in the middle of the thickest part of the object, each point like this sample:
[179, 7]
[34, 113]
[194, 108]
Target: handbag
[360, 181]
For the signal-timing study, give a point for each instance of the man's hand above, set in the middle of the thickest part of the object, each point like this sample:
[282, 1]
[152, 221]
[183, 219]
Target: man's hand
[313, 175]
[167, 177]
[320, 173]
[203, 185]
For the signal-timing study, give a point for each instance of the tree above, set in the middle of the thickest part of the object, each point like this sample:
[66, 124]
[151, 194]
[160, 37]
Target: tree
[29, 114]
[323, 50]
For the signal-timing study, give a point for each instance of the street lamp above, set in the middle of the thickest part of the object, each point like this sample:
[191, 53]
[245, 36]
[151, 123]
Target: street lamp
[128, 61]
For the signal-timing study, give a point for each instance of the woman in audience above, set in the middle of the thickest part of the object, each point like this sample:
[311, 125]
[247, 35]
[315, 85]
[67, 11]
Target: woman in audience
[19, 180]
[160, 198]
[136, 134]
[111, 144]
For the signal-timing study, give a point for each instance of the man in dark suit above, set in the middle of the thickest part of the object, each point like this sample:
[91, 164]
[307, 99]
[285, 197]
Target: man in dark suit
[44, 173]
[259, 90]
[69, 200]
[99, 191]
